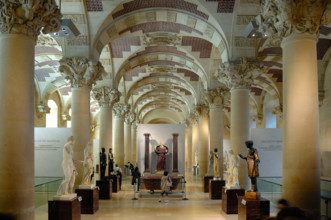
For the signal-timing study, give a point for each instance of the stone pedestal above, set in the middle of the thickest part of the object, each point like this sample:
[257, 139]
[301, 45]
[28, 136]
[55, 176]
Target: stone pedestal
[215, 189]
[205, 186]
[90, 200]
[252, 209]
[115, 183]
[105, 189]
[64, 209]
[230, 200]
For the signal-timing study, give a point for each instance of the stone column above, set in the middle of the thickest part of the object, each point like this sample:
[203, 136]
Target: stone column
[134, 142]
[203, 138]
[82, 74]
[195, 137]
[17, 42]
[238, 76]
[298, 28]
[147, 169]
[175, 153]
[119, 111]
[129, 118]
[106, 98]
[215, 100]
[188, 144]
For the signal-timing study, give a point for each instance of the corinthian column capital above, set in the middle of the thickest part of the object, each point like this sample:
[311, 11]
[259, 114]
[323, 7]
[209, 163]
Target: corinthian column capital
[202, 110]
[120, 109]
[282, 17]
[80, 71]
[106, 96]
[130, 117]
[29, 17]
[239, 74]
[215, 97]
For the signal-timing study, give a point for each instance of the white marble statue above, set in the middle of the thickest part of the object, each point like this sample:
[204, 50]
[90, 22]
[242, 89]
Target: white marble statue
[232, 171]
[210, 171]
[88, 164]
[69, 169]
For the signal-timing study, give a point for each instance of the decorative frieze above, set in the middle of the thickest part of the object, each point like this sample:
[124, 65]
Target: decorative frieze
[80, 40]
[106, 96]
[80, 71]
[246, 42]
[29, 17]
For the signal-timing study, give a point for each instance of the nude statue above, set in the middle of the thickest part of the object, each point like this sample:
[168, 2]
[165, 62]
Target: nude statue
[161, 152]
[88, 164]
[232, 171]
[69, 169]
[253, 161]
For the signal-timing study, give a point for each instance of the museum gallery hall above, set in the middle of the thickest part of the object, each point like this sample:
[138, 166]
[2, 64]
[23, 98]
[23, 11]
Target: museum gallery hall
[167, 109]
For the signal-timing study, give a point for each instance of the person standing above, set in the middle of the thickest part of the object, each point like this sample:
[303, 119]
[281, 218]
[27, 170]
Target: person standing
[136, 177]
[103, 163]
[118, 172]
[166, 183]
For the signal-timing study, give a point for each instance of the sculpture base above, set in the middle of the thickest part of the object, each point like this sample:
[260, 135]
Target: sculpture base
[205, 186]
[252, 209]
[159, 172]
[115, 183]
[230, 199]
[153, 182]
[64, 209]
[90, 200]
[92, 186]
[65, 197]
[105, 189]
[252, 195]
[215, 189]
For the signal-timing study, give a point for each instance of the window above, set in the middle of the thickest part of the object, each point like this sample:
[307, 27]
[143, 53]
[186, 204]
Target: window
[51, 117]
[69, 121]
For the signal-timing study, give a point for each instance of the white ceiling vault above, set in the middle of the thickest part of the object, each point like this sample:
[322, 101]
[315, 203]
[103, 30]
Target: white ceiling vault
[162, 55]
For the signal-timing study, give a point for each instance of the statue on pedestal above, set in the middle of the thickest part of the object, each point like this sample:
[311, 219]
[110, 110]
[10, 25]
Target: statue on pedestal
[232, 171]
[103, 163]
[161, 152]
[110, 162]
[211, 164]
[69, 169]
[215, 164]
[88, 164]
[253, 161]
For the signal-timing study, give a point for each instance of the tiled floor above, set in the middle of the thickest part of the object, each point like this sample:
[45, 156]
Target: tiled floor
[121, 206]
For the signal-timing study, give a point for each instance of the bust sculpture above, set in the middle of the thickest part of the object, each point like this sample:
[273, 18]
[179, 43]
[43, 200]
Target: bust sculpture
[88, 164]
[215, 164]
[232, 171]
[103, 163]
[69, 169]
[253, 161]
[161, 152]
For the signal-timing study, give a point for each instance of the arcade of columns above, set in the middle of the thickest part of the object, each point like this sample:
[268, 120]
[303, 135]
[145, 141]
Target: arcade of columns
[301, 159]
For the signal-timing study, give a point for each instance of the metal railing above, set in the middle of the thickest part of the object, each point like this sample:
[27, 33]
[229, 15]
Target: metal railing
[45, 189]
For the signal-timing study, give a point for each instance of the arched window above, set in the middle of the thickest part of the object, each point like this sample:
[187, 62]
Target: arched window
[270, 119]
[51, 117]
[69, 121]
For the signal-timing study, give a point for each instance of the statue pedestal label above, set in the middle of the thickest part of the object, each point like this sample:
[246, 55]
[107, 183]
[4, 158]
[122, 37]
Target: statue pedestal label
[90, 200]
[215, 189]
[230, 200]
[64, 209]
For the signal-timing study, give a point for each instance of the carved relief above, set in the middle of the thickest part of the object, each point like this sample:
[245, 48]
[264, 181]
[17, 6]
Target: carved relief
[41, 110]
[215, 97]
[77, 19]
[202, 110]
[120, 109]
[130, 117]
[240, 74]
[171, 16]
[280, 18]
[106, 96]
[209, 32]
[278, 110]
[45, 40]
[245, 19]
[80, 40]
[29, 17]
[191, 22]
[80, 71]
[150, 16]
[162, 39]
[246, 42]
[194, 118]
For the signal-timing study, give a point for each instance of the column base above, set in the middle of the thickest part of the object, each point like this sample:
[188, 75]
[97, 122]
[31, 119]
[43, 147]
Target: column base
[230, 200]
[90, 200]
[64, 209]
[215, 189]
[249, 209]
[105, 189]
[205, 186]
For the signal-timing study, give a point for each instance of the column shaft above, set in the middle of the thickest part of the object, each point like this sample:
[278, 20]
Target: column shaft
[17, 126]
[134, 144]
[127, 142]
[195, 141]
[240, 130]
[203, 145]
[118, 140]
[80, 126]
[147, 169]
[105, 131]
[301, 154]
[216, 134]
[188, 150]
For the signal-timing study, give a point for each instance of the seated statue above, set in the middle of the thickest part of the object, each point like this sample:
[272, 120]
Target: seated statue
[88, 164]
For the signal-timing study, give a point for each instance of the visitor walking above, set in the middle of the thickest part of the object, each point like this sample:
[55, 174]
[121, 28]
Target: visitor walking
[166, 183]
